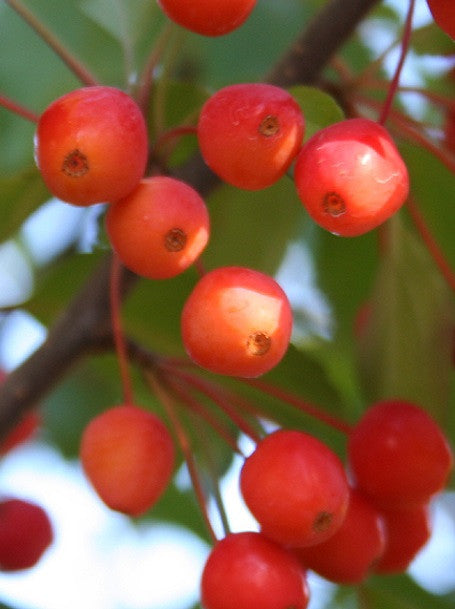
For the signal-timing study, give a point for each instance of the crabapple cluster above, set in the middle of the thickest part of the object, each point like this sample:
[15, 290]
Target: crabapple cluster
[343, 522]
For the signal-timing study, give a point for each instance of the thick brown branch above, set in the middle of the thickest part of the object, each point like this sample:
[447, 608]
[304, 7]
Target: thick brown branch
[85, 326]
[324, 35]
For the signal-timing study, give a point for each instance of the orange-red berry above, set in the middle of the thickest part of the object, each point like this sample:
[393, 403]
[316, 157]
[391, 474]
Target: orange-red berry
[237, 321]
[160, 229]
[296, 488]
[128, 455]
[249, 134]
[247, 570]
[350, 177]
[91, 145]
[208, 17]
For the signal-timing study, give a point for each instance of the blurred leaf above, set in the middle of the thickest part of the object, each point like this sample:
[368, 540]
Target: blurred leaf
[252, 228]
[431, 40]
[125, 20]
[93, 386]
[20, 195]
[56, 284]
[406, 346]
[400, 592]
[318, 107]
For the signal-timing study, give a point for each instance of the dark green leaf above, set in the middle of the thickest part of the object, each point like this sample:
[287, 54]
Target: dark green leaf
[318, 107]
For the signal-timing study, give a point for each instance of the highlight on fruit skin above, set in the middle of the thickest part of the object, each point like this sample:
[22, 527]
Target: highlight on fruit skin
[247, 569]
[350, 177]
[250, 133]
[160, 228]
[208, 17]
[296, 488]
[237, 321]
[128, 455]
[91, 145]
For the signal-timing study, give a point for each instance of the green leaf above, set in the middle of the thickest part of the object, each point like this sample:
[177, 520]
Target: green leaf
[400, 592]
[405, 349]
[431, 40]
[125, 20]
[20, 195]
[318, 107]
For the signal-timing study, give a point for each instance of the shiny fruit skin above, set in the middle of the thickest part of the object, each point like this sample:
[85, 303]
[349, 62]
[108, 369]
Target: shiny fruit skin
[127, 454]
[249, 134]
[296, 488]
[237, 322]
[349, 555]
[350, 177]
[25, 534]
[406, 533]
[91, 145]
[398, 455]
[160, 229]
[247, 570]
[208, 17]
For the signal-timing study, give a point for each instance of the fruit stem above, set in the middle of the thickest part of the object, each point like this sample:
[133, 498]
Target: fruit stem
[53, 42]
[217, 395]
[148, 72]
[293, 400]
[185, 447]
[405, 41]
[408, 129]
[430, 242]
[117, 330]
[171, 134]
[12, 106]
[197, 407]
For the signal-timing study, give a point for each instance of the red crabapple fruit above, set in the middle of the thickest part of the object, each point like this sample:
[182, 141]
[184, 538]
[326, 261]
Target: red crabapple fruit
[247, 570]
[160, 228]
[91, 145]
[398, 455]
[128, 455]
[350, 177]
[443, 12]
[406, 532]
[249, 134]
[208, 17]
[25, 534]
[296, 488]
[237, 321]
[349, 555]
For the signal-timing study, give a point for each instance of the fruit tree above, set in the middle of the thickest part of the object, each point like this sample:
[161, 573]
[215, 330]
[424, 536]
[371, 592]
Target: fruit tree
[256, 203]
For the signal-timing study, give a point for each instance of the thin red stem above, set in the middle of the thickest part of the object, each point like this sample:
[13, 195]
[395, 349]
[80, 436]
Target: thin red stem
[117, 329]
[185, 447]
[409, 129]
[396, 77]
[433, 247]
[216, 394]
[77, 67]
[293, 400]
[18, 109]
[198, 408]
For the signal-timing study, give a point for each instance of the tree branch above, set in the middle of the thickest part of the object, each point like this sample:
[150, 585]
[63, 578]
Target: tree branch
[85, 326]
